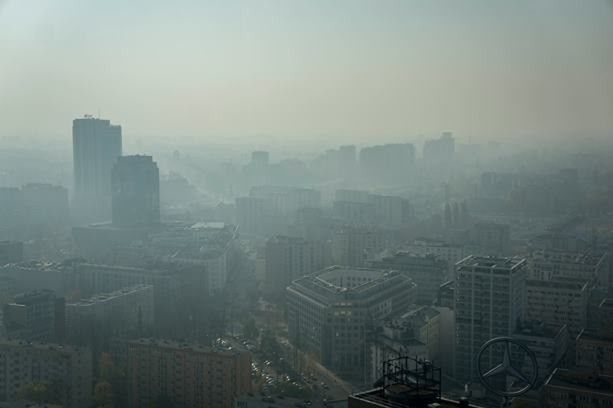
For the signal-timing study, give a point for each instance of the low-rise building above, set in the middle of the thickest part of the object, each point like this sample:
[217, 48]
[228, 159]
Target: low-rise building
[94, 320]
[595, 351]
[600, 315]
[353, 245]
[427, 271]
[287, 200]
[66, 369]
[35, 316]
[209, 246]
[548, 342]
[37, 275]
[332, 313]
[362, 208]
[558, 302]
[185, 374]
[493, 238]
[440, 249]
[574, 388]
[290, 258]
[11, 252]
[551, 264]
[414, 333]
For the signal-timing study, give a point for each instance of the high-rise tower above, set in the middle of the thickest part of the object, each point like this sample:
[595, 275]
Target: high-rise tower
[96, 145]
[488, 303]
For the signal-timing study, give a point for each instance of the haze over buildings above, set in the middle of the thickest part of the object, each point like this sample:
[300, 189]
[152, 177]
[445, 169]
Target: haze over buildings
[306, 203]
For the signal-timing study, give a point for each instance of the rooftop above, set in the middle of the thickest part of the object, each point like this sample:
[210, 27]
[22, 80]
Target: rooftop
[539, 329]
[209, 225]
[591, 336]
[491, 262]
[559, 283]
[346, 282]
[27, 404]
[421, 313]
[106, 297]
[222, 348]
[589, 257]
[607, 303]
[433, 242]
[35, 265]
[33, 297]
[40, 346]
[406, 257]
[581, 381]
[266, 401]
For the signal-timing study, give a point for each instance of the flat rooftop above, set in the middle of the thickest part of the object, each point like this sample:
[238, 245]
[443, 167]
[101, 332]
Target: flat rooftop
[588, 258]
[227, 349]
[208, 225]
[346, 282]
[587, 335]
[581, 381]
[22, 344]
[490, 262]
[351, 277]
[107, 297]
[559, 283]
[539, 329]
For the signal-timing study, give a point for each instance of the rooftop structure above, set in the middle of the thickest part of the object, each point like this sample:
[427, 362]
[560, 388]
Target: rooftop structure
[406, 383]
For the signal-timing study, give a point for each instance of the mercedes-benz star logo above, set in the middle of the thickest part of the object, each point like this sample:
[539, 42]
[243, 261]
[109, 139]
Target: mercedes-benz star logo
[507, 370]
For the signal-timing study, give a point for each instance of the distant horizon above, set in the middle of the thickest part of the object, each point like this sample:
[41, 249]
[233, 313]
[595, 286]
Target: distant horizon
[315, 142]
[350, 71]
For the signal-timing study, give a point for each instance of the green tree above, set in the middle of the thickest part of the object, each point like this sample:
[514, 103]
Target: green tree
[250, 329]
[113, 375]
[292, 390]
[103, 394]
[269, 345]
[164, 401]
[38, 392]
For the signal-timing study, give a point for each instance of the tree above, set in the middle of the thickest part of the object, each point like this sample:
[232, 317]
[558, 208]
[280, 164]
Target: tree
[113, 375]
[250, 329]
[164, 401]
[37, 391]
[269, 345]
[292, 390]
[103, 394]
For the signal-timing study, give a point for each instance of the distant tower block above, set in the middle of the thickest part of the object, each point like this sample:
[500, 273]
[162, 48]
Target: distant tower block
[136, 191]
[96, 145]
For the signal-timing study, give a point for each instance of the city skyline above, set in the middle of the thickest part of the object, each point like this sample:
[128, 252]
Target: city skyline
[348, 203]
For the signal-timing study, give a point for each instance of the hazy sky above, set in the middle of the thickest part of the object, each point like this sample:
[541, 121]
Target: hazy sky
[289, 69]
